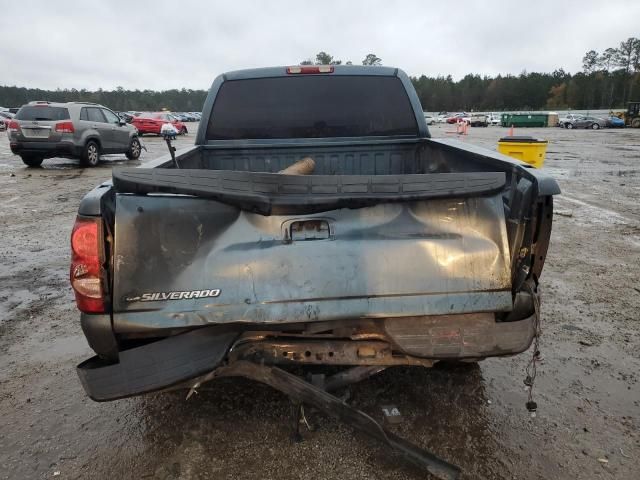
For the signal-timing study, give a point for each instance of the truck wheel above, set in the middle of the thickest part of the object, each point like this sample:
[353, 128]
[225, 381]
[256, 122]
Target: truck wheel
[595, 126]
[32, 160]
[635, 123]
[134, 149]
[90, 154]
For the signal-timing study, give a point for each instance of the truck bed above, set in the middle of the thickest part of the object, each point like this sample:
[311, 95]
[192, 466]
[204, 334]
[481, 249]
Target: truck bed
[372, 253]
[383, 157]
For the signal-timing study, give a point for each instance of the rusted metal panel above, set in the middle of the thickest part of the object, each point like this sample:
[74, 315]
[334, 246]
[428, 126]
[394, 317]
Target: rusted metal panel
[460, 336]
[287, 351]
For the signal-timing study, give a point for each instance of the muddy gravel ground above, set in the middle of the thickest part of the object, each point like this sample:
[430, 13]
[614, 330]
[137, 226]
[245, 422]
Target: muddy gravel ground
[587, 425]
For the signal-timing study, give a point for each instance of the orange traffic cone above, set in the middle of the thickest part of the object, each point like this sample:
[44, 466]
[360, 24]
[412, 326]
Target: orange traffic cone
[511, 131]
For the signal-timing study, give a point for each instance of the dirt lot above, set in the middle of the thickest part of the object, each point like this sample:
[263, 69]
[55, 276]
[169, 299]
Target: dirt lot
[588, 391]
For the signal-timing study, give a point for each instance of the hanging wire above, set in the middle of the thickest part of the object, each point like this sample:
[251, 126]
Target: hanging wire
[531, 369]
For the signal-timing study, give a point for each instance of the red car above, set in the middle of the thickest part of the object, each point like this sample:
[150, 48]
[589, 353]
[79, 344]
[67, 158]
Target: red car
[152, 123]
[458, 117]
[5, 118]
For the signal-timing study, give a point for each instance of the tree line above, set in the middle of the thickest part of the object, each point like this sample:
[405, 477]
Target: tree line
[608, 80]
[184, 100]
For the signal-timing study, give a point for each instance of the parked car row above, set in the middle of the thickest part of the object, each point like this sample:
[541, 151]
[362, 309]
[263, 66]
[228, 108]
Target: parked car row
[475, 120]
[152, 122]
[128, 116]
[187, 116]
[485, 119]
[180, 116]
[587, 121]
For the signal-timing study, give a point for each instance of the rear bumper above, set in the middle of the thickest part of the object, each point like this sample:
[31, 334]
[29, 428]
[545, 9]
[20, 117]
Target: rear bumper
[46, 149]
[421, 341]
[155, 366]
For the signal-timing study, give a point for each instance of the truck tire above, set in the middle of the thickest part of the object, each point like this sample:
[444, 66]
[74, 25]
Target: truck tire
[635, 123]
[134, 149]
[90, 154]
[32, 160]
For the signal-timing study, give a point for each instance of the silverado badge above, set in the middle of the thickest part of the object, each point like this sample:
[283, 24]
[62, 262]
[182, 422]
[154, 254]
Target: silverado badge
[179, 295]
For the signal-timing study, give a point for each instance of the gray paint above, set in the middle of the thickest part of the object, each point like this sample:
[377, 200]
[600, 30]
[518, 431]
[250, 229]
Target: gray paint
[419, 258]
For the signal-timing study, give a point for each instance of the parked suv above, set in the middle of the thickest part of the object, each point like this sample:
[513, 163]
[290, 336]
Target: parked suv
[73, 130]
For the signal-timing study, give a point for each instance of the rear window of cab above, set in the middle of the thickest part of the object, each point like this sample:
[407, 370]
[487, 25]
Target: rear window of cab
[311, 107]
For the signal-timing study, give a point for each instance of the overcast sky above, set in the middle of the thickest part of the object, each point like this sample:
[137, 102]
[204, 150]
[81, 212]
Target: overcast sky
[182, 43]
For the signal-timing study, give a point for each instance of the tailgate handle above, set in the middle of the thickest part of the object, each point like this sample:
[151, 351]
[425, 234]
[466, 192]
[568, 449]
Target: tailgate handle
[305, 230]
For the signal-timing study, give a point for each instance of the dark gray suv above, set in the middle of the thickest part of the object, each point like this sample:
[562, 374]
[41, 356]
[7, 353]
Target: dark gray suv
[73, 130]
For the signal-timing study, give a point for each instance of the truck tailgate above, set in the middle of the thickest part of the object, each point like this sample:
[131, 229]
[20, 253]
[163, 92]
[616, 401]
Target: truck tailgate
[187, 261]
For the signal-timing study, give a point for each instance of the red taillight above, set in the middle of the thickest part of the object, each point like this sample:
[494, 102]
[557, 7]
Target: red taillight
[86, 275]
[310, 70]
[13, 126]
[65, 127]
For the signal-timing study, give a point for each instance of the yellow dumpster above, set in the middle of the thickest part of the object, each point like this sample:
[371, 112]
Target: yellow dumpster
[528, 149]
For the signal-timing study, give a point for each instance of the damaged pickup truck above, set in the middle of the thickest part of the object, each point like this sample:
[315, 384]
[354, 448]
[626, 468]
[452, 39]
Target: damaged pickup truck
[314, 222]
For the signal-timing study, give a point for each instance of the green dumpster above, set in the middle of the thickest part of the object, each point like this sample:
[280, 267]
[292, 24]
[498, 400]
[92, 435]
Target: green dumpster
[525, 119]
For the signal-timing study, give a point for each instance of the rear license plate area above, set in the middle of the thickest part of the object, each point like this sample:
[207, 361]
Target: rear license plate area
[36, 132]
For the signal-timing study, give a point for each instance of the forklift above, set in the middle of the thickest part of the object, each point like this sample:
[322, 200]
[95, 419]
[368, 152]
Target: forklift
[632, 115]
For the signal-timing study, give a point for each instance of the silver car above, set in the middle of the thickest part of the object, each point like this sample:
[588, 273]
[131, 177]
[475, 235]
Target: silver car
[72, 130]
[588, 122]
